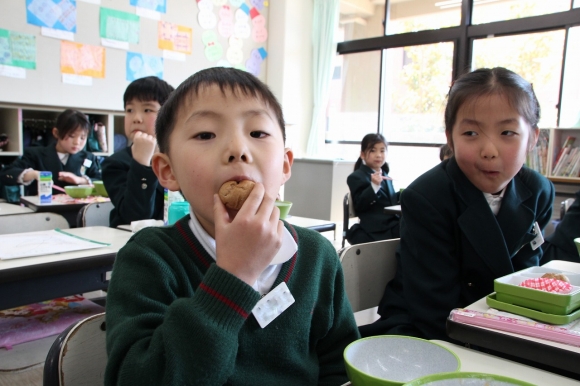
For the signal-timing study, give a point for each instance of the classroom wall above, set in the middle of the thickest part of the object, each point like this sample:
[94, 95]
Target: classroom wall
[43, 86]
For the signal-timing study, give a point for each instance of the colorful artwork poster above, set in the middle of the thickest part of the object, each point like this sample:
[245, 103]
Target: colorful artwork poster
[174, 37]
[154, 5]
[140, 66]
[17, 49]
[82, 59]
[55, 14]
[118, 25]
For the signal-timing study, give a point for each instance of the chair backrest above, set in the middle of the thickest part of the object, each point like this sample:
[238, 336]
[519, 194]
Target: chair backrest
[78, 356]
[348, 213]
[367, 269]
[30, 222]
[95, 214]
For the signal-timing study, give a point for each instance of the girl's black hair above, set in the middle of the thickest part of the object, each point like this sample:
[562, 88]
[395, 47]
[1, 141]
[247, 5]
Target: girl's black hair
[485, 81]
[367, 144]
[239, 82]
[70, 120]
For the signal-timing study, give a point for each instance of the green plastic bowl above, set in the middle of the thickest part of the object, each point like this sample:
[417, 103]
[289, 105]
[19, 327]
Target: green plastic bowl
[80, 191]
[466, 378]
[100, 189]
[389, 360]
[284, 207]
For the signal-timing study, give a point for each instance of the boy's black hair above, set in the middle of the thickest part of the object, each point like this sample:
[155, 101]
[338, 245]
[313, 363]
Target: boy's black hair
[237, 81]
[69, 121]
[367, 144]
[498, 80]
[149, 88]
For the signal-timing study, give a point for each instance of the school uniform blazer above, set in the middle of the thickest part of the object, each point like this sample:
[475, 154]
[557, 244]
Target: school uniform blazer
[368, 205]
[133, 189]
[46, 159]
[453, 247]
[563, 237]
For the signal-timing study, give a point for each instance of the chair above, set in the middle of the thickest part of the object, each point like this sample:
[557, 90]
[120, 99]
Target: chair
[348, 213]
[78, 356]
[30, 222]
[95, 214]
[367, 269]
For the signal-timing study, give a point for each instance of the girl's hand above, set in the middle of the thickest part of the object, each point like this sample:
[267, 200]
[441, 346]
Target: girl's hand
[71, 178]
[246, 244]
[377, 178]
[31, 175]
[144, 146]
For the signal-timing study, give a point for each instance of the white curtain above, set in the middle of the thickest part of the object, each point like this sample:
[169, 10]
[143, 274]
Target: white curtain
[325, 19]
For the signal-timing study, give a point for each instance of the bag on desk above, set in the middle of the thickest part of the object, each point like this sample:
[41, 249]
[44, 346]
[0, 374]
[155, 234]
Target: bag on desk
[39, 320]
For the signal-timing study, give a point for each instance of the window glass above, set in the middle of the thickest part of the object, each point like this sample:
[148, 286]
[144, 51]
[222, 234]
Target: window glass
[361, 19]
[416, 83]
[354, 97]
[536, 57]
[486, 11]
[570, 111]
[421, 15]
[576, 3]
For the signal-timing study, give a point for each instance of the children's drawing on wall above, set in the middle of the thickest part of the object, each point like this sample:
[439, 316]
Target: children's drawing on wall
[253, 64]
[206, 18]
[234, 53]
[55, 14]
[175, 39]
[242, 27]
[17, 49]
[226, 23]
[259, 4]
[259, 32]
[118, 29]
[153, 5]
[141, 65]
[81, 62]
[213, 48]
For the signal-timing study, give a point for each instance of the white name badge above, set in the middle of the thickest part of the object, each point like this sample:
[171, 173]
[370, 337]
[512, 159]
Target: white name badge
[539, 239]
[273, 304]
[87, 163]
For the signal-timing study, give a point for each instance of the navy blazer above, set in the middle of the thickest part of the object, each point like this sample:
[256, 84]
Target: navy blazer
[560, 244]
[133, 189]
[453, 247]
[45, 159]
[368, 205]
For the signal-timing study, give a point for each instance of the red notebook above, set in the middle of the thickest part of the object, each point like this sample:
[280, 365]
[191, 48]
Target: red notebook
[39, 320]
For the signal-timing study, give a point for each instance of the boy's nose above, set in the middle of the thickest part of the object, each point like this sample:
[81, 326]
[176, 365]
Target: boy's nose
[137, 117]
[237, 151]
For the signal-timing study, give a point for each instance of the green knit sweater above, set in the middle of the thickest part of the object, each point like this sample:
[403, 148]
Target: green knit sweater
[175, 318]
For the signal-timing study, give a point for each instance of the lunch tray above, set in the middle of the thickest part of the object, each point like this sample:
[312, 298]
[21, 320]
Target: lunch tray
[493, 302]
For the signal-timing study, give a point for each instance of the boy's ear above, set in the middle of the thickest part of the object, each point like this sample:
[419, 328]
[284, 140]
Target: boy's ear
[55, 132]
[161, 165]
[287, 168]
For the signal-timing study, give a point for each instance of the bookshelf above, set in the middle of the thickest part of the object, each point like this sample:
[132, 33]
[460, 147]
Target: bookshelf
[557, 155]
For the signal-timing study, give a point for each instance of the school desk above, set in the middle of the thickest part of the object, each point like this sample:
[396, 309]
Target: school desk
[394, 209]
[66, 206]
[34, 279]
[6, 209]
[561, 358]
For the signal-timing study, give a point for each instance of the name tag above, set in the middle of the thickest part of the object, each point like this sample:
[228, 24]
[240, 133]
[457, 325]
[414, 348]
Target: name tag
[273, 304]
[539, 239]
[87, 163]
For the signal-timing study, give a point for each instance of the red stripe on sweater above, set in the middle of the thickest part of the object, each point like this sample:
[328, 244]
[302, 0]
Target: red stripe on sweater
[224, 300]
[293, 262]
[198, 254]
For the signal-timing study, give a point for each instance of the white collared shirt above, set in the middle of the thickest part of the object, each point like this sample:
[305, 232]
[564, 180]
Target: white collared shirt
[494, 201]
[269, 275]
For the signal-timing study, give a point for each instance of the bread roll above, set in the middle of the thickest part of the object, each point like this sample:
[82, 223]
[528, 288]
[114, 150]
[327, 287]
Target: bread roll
[557, 276]
[233, 194]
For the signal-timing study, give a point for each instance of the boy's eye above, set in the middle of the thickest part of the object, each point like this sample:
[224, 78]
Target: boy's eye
[258, 134]
[205, 136]
[128, 110]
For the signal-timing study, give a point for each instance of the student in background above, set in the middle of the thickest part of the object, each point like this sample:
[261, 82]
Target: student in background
[183, 304]
[127, 174]
[69, 163]
[474, 217]
[445, 152]
[560, 245]
[371, 190]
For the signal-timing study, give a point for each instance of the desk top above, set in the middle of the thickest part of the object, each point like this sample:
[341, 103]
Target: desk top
[6, 209]
[116, 237]
[61, 201]
[472, 360]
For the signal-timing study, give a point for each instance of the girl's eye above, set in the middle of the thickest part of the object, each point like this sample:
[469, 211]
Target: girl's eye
[205, 136]
[258, 134]
[509, 133]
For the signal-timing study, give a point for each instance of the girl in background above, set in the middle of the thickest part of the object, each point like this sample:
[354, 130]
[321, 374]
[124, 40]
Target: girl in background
[474, 217]
[69, 163]
[371, 190]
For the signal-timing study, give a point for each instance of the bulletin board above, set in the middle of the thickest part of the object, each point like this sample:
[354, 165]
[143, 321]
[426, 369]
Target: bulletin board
[84, 53]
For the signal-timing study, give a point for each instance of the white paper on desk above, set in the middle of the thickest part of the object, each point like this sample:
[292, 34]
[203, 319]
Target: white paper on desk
[40, 243]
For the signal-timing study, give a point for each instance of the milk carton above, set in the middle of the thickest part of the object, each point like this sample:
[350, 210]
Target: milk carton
[45, 187]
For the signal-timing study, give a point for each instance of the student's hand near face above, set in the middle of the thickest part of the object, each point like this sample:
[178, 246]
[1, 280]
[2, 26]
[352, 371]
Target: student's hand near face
[144, 146]
[246, 245]
[71, 178]
[377, 178]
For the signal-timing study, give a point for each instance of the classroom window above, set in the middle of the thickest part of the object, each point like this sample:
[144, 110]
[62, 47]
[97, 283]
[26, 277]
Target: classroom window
[536, 57]
[360, 20]
[487, 11]
[416, 82]
[570, 109]
[421, 15]
[576, 3]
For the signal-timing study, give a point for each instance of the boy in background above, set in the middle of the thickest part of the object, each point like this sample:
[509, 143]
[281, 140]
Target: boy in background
[184, 305]
[127, 174]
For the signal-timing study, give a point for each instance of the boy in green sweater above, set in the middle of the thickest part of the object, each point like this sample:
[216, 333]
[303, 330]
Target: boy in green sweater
[226, 296]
